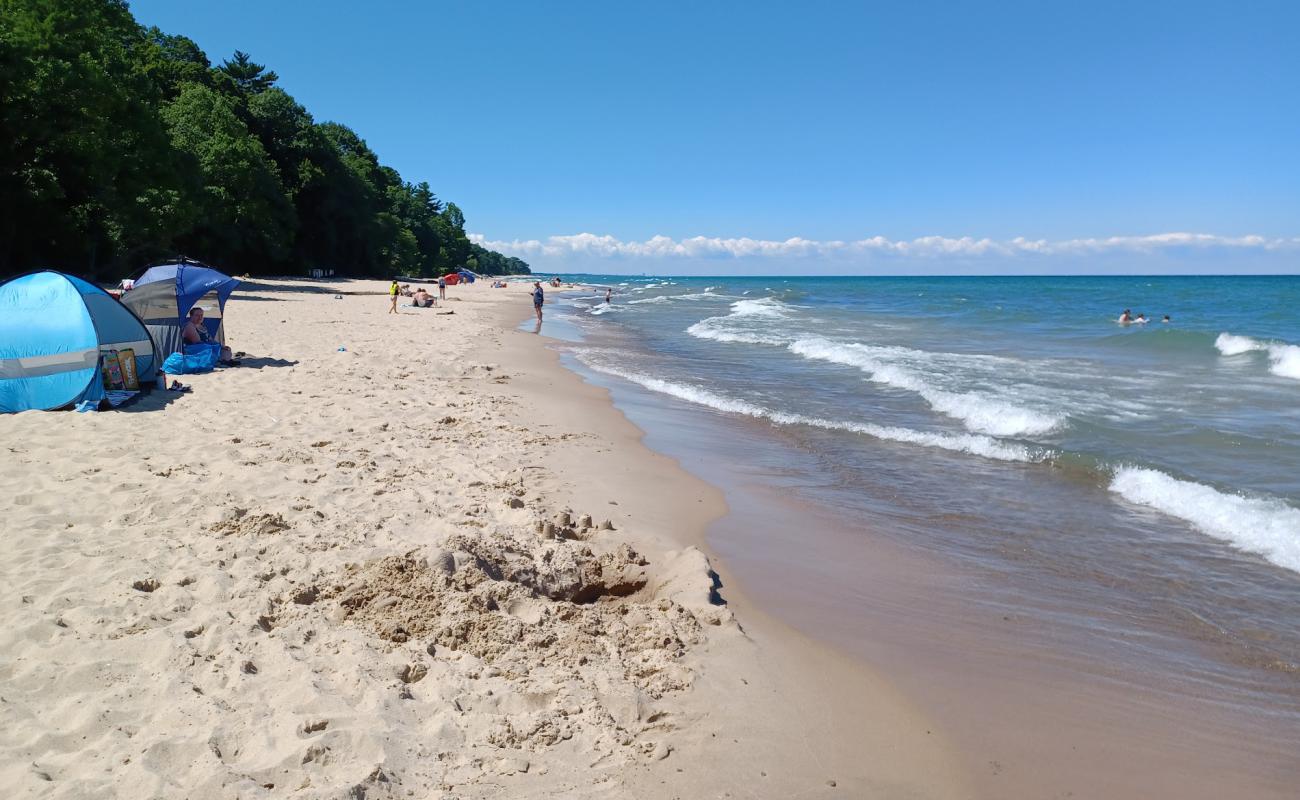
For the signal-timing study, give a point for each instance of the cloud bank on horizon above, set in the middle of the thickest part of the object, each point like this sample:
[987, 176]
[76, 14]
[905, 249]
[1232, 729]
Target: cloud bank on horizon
[1163, 252]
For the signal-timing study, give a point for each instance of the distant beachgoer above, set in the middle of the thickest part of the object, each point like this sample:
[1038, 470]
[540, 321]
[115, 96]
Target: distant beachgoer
[442, 288]
[422, 299]
[1166, 319]
[1125, 318]
[538, 299]
[393, 291]
[195, 335]
[1141, 319]
[608, 294]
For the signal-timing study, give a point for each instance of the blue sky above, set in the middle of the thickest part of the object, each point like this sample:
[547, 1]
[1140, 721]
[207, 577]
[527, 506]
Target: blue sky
[899, 137]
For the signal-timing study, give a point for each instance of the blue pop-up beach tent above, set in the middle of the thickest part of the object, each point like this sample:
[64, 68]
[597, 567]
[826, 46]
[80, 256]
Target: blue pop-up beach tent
[53, 328]
[164, 295]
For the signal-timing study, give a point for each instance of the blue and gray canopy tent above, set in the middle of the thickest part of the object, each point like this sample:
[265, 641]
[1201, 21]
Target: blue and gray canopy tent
[53, 328]
[164, 295]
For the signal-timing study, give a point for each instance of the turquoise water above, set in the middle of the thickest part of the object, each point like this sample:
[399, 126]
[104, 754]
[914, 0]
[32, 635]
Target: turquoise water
[1149, 470]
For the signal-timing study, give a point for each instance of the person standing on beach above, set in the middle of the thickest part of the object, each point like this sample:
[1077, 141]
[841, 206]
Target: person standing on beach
[392, 296]
[538, 299]
[608, 294]
[442, 288]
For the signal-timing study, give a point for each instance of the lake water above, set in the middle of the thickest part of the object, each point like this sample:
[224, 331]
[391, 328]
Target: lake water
[1135, 487]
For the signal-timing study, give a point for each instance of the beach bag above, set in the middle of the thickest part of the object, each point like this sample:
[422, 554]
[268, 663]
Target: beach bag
[112, 368]
[126, 363]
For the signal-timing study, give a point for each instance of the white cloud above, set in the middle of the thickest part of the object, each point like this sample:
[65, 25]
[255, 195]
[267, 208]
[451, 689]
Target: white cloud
[590, 245]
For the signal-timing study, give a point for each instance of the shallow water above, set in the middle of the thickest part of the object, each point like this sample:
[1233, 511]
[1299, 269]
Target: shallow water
[1137, 487]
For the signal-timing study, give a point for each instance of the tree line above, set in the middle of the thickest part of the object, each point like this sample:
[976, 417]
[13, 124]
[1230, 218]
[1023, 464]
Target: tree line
[121, 145]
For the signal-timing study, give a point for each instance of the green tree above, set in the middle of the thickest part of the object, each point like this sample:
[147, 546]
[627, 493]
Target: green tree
[87, 176]
[250, 77]
[175, 60]
[246, 220]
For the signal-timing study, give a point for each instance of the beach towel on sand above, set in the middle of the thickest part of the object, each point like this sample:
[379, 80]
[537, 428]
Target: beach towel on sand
[196, 358]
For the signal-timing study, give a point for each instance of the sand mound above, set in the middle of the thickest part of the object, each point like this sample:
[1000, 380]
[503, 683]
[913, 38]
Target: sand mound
[557, 605]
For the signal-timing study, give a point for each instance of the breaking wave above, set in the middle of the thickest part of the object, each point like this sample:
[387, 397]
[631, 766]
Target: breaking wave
[1268, 527]
[1284, 359]
[974, 444]
[979, 411]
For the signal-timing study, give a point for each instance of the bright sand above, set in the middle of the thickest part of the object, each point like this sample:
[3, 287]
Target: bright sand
[344, 573]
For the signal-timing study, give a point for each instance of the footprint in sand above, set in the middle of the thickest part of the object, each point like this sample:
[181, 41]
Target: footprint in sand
[527, 611]
[313, 726]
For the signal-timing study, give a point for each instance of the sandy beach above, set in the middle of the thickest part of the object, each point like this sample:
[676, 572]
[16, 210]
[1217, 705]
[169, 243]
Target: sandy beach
[402, 556]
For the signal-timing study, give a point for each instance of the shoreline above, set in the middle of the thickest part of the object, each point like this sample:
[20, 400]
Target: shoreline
[321, 573]
[852, 725]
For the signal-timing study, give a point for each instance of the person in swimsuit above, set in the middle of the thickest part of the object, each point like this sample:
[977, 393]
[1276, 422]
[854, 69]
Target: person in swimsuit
[538, 299]
[393, 291]
[196, 333]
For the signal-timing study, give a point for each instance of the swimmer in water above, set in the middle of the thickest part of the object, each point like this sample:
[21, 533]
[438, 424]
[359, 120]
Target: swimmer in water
[1166, 319]
[1125, 318]
[1141, 319]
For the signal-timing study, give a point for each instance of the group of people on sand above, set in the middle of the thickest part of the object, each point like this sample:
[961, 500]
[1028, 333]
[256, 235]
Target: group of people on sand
[419, 298]
[1127, 318]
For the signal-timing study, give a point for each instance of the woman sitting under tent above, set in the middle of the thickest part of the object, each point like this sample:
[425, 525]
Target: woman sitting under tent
[197, 339]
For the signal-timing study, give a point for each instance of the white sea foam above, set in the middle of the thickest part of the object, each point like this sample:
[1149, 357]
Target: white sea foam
[1284, 359]
[1231, 345]
[1268, 527]
[768, 307]
[978, 411]
[710, 329]
[668, 298]
[974, 444]
[748, 322]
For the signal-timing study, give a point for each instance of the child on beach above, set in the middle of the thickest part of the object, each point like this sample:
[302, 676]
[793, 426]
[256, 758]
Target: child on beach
[392, 296]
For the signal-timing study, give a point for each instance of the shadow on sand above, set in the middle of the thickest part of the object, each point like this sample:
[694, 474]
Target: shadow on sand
[261, 362]
[307, 286]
